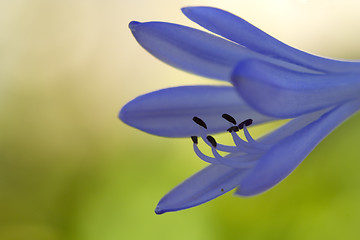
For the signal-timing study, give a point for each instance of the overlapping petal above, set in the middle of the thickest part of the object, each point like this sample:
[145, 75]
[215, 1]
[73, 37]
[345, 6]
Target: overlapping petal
[283, 93]
[291, 127]
[271, 80]
[238, 30]
[196, 51]
[204, 186]
[298, 138]
[279, 161]
[169, 112]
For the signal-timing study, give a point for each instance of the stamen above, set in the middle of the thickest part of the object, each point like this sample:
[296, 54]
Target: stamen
[244, 161]
[243, 155]
[238, 161]
[251, 146]
[245, 123]
[229, 118]
[211, 140]
[199, 122]
[220, 147]
[203, 156]
[253, 142]
[248, 136]
[243, 145]
[203, 135]
[194, 139]
[233, 129]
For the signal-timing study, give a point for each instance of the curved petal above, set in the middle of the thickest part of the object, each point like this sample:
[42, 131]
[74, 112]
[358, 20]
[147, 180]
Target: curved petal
[169, 112]
[242, 32]
[291, 127]
[283, 93]
[287, 154]
[195, 51]
[204, 186]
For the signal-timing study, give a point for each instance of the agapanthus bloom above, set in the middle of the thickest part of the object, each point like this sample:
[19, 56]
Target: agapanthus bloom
[269, 81]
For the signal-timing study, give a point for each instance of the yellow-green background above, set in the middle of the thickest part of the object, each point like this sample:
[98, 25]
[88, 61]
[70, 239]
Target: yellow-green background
[69, 169]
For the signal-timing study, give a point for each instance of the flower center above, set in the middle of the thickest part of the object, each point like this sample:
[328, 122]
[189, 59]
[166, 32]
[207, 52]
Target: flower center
[243, 155]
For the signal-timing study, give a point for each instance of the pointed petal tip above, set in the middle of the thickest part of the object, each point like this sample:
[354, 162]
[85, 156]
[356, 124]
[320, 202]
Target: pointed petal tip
[125, 115]
[133, 25]
[159, 211]
[186, 10]
[122, 113]
[161, 208]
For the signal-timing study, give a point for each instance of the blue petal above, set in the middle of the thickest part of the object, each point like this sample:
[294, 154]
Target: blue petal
[169, 112]
[195, 51]
[287, 154]
[242, 32]
[284, 93]
[291, 127]
[204, 186]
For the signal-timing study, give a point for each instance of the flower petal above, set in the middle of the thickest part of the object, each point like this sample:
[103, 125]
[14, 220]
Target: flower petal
[287, 154]
[193, 50]
[291, 127]
[242, 32]
[204, 186]
[169, 112]
[283, 93]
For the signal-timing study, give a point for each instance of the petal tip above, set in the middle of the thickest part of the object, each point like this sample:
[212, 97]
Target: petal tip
[165, 206]
[133, 25]
[188, 9]
[125, 115]
[122, 113]
[159, 211]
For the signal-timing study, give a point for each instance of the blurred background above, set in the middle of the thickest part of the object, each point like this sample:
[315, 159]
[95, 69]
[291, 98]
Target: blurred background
[69, 169]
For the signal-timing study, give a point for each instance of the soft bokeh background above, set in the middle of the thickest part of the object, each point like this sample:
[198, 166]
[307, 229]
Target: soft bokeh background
[69, 169]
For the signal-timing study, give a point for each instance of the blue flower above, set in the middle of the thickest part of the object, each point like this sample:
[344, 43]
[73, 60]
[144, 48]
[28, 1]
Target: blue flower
[264, 80]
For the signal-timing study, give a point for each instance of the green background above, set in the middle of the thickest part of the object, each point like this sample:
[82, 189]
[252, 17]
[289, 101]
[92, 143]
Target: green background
[69, 169]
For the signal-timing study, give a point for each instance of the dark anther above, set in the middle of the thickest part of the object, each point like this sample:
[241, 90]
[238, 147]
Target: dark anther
[229, 118]
[194, 139]
[199, 122]
[245, 123]
[211, 140]
[233, 129]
